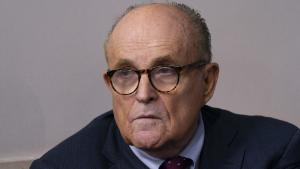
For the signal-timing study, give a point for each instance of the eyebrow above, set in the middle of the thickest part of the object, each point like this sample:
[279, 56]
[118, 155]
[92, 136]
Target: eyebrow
[123, 63]
[162, 60]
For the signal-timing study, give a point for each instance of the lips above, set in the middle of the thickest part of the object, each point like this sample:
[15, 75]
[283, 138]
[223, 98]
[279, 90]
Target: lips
[145, 116]
[146, 111]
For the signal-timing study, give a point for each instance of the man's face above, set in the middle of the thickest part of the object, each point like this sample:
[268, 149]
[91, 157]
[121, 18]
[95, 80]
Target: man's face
[149, 119]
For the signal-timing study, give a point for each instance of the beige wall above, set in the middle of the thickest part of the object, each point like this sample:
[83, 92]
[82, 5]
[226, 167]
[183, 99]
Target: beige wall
[15, 165]
[51, 61]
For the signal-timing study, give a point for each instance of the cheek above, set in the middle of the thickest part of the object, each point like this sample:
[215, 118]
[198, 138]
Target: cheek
[121, 108]
[182, 120]
[184, 105]
[191, 91]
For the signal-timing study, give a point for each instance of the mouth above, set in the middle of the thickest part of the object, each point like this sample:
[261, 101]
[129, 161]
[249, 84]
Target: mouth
[150, 117]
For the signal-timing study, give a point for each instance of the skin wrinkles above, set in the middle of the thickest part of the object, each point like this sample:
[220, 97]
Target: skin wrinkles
[127, 48]
[159, 123]
[160, 61]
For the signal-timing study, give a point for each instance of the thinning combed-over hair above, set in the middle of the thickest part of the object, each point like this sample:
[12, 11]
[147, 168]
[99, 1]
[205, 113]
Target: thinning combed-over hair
[202, 34]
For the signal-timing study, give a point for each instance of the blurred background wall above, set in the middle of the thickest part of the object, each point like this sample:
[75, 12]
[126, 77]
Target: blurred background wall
[52, 61]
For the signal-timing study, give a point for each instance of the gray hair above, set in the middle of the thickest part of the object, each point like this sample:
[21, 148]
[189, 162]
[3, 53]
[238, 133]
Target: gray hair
[203, 37]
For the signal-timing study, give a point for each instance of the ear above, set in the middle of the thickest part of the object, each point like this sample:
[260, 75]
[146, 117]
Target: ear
[107, 80]
[210, 77]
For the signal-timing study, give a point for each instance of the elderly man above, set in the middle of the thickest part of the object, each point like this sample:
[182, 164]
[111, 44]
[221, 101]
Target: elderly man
[161, 77]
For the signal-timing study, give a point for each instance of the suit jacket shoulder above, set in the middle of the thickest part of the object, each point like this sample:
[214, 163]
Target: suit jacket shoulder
[99, 145]
[250, 141]
[79, 150]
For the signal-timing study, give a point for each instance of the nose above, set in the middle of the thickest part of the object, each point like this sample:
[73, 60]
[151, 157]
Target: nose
[145, 92]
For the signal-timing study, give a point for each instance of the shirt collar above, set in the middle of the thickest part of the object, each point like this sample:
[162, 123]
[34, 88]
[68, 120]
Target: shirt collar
[192, 150]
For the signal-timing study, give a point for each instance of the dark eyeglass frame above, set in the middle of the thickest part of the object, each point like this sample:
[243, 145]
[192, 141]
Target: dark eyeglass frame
[178, 70]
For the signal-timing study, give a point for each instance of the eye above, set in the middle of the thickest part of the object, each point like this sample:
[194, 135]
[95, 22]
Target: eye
[164, 71]
[124, 73]
[164, 78]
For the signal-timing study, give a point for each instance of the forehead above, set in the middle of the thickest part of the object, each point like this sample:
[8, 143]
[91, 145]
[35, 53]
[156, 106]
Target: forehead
[148, 34]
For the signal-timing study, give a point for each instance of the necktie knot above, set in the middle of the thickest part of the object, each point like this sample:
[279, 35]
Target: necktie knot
[177, 162]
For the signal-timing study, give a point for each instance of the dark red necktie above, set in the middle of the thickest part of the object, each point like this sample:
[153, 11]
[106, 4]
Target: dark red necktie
[176, 163]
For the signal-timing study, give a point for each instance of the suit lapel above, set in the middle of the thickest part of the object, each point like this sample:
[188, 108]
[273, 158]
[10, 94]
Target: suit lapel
[221, 149]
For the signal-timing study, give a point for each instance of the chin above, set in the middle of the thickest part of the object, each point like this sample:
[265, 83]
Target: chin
[146, 140]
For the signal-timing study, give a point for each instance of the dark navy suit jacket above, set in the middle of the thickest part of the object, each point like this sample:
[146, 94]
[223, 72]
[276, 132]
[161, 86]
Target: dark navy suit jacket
[231, 142]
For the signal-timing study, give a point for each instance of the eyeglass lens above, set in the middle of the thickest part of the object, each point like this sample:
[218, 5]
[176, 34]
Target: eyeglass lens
[126, 81]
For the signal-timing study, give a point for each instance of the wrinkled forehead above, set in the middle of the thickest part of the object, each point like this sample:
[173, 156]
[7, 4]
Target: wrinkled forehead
[150, 26]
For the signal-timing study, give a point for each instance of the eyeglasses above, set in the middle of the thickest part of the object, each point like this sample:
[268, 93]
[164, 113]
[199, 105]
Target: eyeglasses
[125, 81]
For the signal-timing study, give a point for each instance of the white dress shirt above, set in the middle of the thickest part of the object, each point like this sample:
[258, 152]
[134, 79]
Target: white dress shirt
[192, 150]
